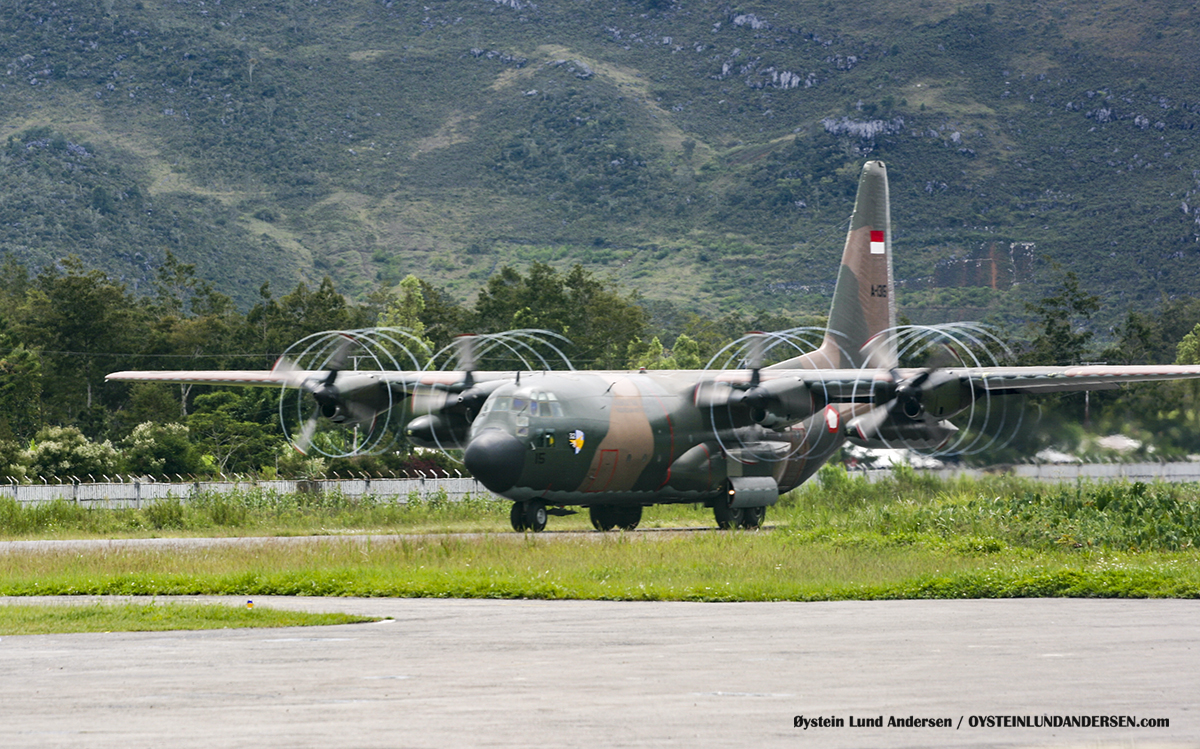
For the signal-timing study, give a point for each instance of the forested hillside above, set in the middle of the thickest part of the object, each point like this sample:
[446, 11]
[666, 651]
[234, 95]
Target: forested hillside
[696, 151]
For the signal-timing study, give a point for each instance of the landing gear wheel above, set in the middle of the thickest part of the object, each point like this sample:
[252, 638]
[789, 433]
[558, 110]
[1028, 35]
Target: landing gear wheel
[516, 516]
[728, 517]
[603, 517]
[753, 517]
[628, 517]
[535, 516]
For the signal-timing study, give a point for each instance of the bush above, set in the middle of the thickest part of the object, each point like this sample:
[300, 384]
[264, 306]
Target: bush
[161, 449]
[66, 452]
[165, 513]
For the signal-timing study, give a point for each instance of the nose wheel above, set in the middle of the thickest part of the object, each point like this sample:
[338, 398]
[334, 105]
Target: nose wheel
[528, 516]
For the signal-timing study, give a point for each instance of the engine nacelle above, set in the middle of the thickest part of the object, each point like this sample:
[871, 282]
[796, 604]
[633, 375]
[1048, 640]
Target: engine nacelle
[354, 399]
[438, 431]
[945, 395]
[779, 403]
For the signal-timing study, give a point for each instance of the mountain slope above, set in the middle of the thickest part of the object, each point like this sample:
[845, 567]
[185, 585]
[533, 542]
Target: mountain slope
[701, 152]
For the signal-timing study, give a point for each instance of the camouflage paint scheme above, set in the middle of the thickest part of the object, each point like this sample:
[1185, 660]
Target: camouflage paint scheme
[735, 440]
[644, 440]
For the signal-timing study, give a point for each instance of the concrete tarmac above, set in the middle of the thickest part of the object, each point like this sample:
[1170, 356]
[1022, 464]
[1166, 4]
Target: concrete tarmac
[449, 673]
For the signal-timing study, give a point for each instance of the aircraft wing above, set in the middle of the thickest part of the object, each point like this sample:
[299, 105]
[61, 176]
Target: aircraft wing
[1029, 380]
[283, 375]
[1033, 380]
[260, 378]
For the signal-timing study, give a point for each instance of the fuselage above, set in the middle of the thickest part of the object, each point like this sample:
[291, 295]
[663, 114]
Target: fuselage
[586, 438]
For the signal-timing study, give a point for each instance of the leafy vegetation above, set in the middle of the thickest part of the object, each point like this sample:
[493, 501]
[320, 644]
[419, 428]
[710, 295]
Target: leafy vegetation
[259, 512]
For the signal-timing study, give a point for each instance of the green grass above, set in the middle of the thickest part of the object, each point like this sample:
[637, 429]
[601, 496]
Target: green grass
[705, 566]
[909, 536]
[267, 513]
[255, 512]
[37, 619]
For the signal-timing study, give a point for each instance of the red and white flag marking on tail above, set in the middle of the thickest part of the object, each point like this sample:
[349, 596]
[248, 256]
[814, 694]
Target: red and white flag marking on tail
[877, 246]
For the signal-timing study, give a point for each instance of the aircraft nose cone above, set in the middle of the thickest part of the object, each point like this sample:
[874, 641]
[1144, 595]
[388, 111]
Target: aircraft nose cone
[496, 459]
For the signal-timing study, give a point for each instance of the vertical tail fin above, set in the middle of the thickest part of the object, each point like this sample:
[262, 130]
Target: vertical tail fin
[863, 301]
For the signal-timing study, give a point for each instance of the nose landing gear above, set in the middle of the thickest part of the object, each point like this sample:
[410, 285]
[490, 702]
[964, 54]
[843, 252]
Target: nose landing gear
[528, 516]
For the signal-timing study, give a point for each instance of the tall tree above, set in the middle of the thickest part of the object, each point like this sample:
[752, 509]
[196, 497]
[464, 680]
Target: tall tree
[87, 325]
[273, 325]
[236, 431]
[20, 387]
[405, 312]
[1061, 335]
[194, 326]
[599, 321]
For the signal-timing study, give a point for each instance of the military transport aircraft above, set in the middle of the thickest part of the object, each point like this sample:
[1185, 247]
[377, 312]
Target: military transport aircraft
[733, 439]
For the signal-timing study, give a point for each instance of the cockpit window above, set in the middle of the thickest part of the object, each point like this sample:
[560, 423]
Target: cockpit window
[548, 405]
[543, 405]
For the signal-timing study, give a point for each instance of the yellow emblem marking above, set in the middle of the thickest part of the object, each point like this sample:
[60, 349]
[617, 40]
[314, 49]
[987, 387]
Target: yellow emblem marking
[576, 440]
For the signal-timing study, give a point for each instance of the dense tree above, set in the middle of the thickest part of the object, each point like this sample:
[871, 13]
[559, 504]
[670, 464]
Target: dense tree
[598, 319]
[20, 387]
[273, 325]
[405, 311]
[235, 430]
[1061, 335]
[86, 325]
[12, 463]
[161, 449]
[685, 354]
[442, 316]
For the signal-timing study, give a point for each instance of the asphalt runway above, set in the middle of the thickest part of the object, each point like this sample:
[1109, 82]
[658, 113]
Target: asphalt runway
[448, 673]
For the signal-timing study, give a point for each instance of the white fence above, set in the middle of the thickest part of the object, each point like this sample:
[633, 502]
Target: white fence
[135, 492]
[1058, 472]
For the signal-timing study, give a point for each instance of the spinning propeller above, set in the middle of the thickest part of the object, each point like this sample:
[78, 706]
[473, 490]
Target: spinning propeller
[750, 417]
[353, 398]
[444, 411]
[913, 410]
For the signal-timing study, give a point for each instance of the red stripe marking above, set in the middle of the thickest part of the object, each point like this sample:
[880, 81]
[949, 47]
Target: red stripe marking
[876, 235]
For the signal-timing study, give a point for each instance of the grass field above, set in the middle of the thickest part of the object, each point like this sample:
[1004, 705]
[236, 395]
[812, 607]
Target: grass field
[16, 619]
[837, 538]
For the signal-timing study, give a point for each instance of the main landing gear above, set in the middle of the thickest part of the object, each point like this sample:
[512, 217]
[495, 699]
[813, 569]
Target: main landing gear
[607, 517]
[750, 518]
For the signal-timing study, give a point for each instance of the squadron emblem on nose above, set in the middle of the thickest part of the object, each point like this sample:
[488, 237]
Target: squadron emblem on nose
[576, 440]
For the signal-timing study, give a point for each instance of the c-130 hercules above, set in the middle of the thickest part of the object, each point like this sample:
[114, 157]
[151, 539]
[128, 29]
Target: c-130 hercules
[735, 440]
